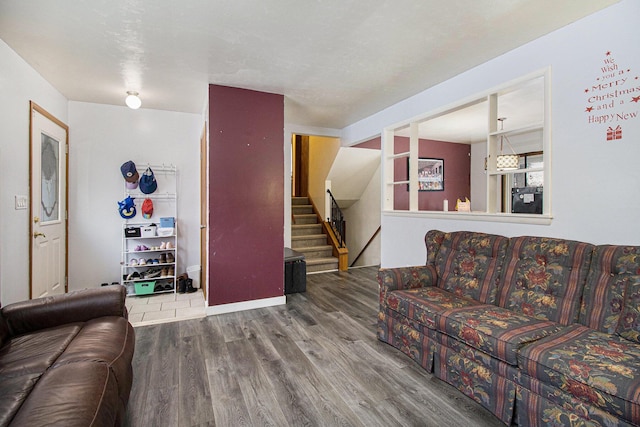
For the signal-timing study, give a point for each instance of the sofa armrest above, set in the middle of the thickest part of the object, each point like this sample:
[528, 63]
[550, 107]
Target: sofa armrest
[77, 306]
[391, 279]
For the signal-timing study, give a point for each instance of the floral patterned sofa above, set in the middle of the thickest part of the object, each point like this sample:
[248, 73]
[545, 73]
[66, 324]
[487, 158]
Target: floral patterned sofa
[539, 331]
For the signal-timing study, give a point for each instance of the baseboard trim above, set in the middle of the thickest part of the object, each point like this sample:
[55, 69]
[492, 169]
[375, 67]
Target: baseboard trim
[245, 305]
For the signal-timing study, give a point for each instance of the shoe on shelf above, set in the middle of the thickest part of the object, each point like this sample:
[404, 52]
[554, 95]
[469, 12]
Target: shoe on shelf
[163, 258]
[144, 248]
[158, 288]
[170, 272]
[170, 245]
[164, 272]
[133, 262]
[137, 248]
[152, 273]
[170, 258]
[168, 286]
[155, 261]
[142, 261]
[163, 246]
[133, 276]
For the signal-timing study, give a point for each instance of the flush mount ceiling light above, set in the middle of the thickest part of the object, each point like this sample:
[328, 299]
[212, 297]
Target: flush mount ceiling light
[133, 100]
[506, 162]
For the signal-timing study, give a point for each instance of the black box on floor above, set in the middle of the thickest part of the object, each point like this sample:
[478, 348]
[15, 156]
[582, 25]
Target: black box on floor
[295, 272]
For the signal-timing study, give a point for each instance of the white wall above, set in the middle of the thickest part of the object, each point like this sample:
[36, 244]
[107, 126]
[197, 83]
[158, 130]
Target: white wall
[322, 152]
[363, 219]
[102, 138]
[19, 84]
[596, 184]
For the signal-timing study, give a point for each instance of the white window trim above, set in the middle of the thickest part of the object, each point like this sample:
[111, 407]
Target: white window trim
[388, 157]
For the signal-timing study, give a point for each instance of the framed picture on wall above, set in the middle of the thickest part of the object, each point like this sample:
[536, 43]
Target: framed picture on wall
[430, 174]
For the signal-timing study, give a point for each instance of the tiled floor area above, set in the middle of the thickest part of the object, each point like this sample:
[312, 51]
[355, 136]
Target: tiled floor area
[148, 310]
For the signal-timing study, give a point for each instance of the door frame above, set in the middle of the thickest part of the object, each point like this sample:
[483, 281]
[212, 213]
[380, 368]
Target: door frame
[204, 213]
[33, 108]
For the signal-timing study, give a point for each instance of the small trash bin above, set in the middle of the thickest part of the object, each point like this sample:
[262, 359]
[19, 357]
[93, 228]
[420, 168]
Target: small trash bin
[194, 274]
[295, 272]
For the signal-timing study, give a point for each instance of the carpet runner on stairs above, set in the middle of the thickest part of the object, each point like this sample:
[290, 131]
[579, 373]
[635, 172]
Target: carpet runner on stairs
[307, 237]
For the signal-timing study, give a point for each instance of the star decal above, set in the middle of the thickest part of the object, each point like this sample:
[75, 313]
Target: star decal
[635, 99]
[586, 91]
[588, 110]
[608, 53]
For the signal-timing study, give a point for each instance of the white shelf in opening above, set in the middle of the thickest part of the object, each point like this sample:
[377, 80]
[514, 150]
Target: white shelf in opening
[518, 131]
[511, 172]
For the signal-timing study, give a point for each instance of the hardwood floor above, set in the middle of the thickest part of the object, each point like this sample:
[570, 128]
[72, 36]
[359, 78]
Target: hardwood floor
[314, 362]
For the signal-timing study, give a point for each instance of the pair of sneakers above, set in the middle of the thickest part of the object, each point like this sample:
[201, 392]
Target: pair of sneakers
[141, 248]
[167, 245]
[159, 287]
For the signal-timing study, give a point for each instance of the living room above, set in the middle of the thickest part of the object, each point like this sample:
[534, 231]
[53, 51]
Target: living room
[594, 179]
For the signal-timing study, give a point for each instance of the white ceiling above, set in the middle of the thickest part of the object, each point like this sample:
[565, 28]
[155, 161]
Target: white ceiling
[520, 106]
[336, 61]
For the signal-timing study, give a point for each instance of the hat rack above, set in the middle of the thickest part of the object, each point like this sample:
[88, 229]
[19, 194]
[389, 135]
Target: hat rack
[158, 170]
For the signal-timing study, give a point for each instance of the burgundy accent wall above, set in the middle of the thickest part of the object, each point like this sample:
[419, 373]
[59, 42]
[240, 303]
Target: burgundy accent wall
[375, 143]
[457, 174]
[246, 193]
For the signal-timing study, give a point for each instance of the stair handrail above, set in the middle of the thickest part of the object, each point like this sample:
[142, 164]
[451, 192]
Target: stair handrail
[366, 246]
[338, 224]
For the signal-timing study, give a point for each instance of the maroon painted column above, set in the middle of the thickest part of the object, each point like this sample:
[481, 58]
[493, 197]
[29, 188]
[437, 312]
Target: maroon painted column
[246, 195]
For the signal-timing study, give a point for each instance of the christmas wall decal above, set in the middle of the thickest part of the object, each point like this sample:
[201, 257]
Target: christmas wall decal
[613, 98]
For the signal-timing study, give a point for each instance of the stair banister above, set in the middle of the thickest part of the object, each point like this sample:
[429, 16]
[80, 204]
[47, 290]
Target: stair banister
[337, 221]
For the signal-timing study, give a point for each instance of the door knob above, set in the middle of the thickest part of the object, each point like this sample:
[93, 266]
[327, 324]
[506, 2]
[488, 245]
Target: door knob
[37, 233]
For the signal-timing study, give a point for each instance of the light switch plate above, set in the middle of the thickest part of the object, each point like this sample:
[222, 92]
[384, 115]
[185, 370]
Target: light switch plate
[21, 202]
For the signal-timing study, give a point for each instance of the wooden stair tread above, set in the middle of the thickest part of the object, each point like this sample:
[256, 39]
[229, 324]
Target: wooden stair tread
[309, 236]
[312, 248]
[314, 261]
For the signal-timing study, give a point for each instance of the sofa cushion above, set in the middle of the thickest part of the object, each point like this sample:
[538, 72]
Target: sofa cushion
[468, 264]
[494, 330]
[425, 305]
[4, 330]
[75, 394]
[598, 368]
[13, 392]
[105, 339]
[35, 352]
[544, 278]
[612, 267]
[629, 322]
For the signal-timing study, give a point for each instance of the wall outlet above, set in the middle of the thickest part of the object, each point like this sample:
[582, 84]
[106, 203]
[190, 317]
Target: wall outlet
[21, 202]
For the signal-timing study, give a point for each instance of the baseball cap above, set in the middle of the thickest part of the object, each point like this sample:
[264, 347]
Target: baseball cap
[129, 171]
[148, 182]
[147, 208]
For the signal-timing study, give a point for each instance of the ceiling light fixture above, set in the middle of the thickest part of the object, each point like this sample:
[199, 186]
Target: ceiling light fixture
[133, 100]
[506, 162]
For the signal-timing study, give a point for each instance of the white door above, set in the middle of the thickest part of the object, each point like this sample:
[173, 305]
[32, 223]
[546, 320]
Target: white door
[49, 147]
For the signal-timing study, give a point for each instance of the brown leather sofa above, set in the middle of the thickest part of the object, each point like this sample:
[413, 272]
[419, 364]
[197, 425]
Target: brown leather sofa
[66, 360]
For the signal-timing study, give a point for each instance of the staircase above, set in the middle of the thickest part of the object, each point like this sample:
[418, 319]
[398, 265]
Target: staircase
[307, 237]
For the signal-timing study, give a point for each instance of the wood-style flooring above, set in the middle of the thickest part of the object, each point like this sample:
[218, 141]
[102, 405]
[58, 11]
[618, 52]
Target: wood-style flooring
[312, 362]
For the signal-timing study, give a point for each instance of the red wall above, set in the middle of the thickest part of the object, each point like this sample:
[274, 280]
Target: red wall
[246, 195]
[457, 172]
